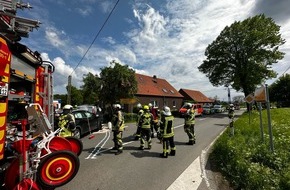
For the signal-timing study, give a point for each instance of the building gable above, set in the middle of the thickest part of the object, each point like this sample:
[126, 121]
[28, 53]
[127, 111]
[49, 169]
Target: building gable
[153, 86]
[194, 95]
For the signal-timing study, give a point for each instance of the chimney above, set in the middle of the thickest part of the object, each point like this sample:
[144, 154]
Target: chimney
[154, 79]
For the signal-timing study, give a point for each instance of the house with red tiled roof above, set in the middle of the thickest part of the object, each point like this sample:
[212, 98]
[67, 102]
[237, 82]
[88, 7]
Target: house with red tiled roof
[157, 91]
[195, 96]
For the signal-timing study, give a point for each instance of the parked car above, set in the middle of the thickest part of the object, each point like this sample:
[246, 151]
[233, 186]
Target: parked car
[86, 122]
[237, 107]
[219, 108]
[198, 110]
[207, 109]
[90, 108]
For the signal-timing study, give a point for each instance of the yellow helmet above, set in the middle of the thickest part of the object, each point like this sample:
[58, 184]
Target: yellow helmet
[146, 107]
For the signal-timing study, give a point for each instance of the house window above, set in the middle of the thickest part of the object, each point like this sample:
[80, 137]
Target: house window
[174, 103]
[154, 103]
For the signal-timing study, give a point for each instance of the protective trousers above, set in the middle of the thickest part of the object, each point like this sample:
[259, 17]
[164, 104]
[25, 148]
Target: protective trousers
[169, 141]
[189, 130]
[145, 136]
[155, 127]
[118, 143]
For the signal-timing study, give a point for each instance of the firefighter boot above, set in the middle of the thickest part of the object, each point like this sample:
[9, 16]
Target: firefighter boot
[119, 152]
[115, 148]
[190, 142]
[172, 153]
[164, 155]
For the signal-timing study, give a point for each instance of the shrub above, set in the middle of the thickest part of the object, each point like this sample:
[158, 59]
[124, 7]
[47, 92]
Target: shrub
[130, 117]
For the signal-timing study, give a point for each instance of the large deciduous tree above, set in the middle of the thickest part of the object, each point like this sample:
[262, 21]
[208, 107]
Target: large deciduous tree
[118, 81]
[280, 91]
[91, 88]
[242, 55]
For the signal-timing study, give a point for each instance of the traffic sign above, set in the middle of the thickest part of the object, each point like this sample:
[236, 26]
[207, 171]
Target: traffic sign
[250, 98]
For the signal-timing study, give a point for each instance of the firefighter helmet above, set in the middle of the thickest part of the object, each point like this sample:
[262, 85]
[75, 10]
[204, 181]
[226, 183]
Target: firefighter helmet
[188, 105]
[117, 106]
[67, 107]
[166, 111]
[146, 107]
[139, 105]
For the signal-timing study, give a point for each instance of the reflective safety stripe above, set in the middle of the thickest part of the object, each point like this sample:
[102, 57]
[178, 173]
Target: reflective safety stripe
[146, 120]
[190, 117]
[168, 130]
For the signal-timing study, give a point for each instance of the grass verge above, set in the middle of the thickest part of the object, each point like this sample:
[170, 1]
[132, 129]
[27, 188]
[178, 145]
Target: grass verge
[247, 161]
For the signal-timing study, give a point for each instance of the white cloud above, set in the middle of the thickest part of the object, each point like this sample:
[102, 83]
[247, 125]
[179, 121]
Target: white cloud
[56, 38]
[167, 42]
[172, 45]
[106, 6]
[84, 11]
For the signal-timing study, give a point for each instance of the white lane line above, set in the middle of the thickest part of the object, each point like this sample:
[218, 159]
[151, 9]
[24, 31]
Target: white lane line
[189, 179]
[204, 159]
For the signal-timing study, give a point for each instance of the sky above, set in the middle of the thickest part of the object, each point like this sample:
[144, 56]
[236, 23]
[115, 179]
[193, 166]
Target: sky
[166, 38]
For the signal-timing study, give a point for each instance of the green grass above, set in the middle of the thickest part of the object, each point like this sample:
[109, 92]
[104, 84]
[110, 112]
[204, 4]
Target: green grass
[247, 161]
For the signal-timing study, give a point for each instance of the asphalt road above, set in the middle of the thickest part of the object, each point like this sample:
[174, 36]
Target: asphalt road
[101, 169]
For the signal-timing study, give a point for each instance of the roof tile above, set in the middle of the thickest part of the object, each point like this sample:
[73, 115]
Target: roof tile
[154, 86]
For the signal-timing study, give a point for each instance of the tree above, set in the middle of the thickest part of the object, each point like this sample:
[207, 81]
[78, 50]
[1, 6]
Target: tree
[61, 97]
[91, 88]
[280, 91]
[242, 55]
[118, 82]
[76, 96]
[238, 99]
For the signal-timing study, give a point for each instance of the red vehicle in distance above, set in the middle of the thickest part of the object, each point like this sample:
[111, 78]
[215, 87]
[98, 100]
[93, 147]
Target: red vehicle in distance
[197, 107]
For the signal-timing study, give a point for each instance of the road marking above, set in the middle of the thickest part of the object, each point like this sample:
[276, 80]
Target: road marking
[190, 178]
[97, 149]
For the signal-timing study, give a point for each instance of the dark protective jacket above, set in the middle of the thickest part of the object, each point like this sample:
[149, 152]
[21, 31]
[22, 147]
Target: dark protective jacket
[166, 126]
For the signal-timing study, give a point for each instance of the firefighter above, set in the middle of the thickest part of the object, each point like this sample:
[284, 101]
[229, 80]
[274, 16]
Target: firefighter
[231, 111]
[155, 125]
[145, 123]
[139, 113]
[167, 133]
[67, 122]
[189, 122]
[118, 128]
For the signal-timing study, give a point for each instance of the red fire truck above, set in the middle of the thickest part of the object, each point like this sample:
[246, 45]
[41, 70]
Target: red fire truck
[32, 155]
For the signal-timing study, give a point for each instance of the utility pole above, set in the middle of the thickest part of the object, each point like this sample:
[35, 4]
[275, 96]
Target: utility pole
[69, 90]
[229, 95]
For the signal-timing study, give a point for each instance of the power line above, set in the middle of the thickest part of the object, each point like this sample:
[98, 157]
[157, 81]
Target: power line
[96, 36]
[281, 74]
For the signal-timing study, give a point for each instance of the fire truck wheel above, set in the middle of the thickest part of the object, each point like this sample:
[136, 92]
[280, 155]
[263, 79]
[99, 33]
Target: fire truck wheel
[76, 145]
[58, 143]
[57, 169]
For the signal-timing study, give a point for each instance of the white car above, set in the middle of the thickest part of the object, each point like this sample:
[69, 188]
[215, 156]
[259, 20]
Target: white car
[218, 108]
